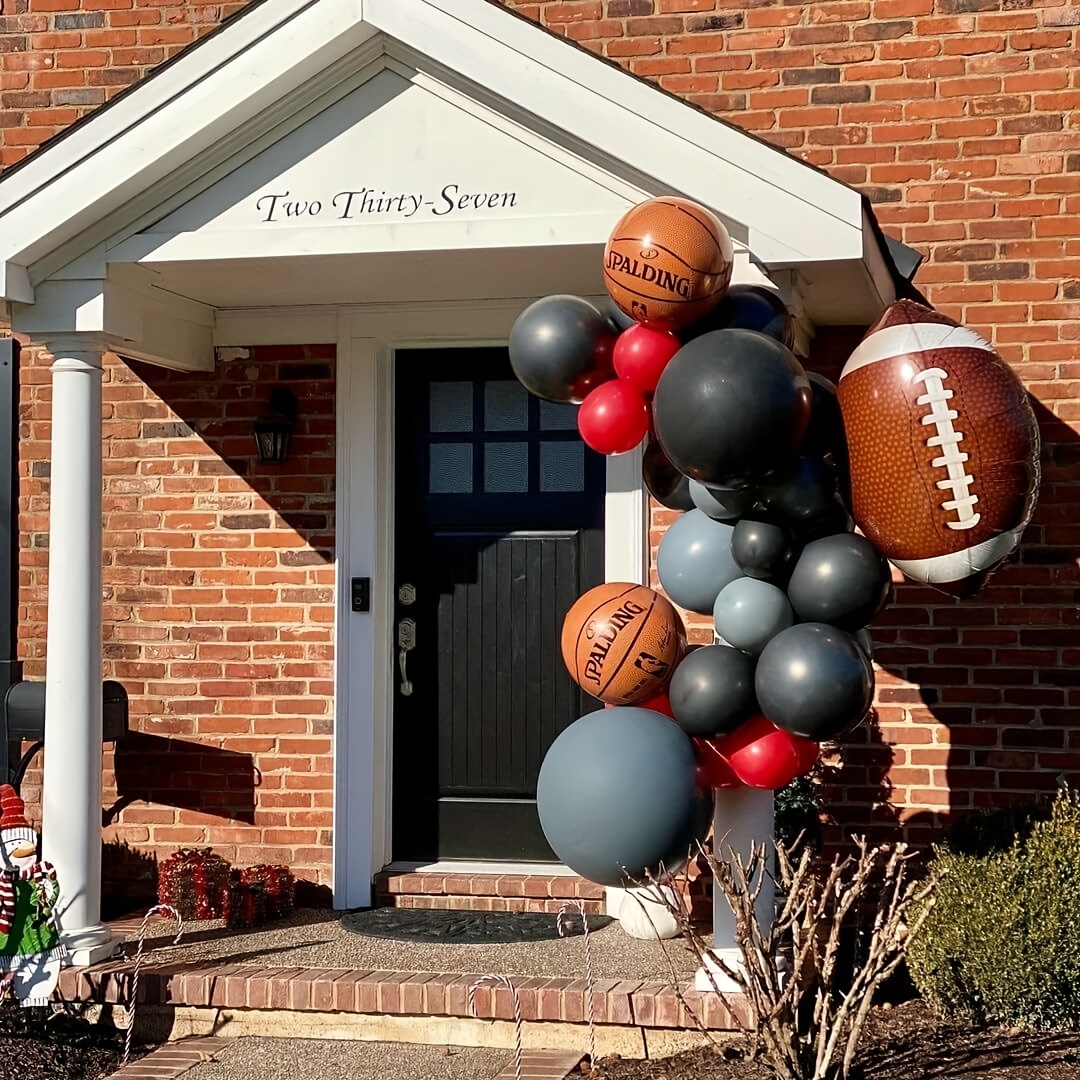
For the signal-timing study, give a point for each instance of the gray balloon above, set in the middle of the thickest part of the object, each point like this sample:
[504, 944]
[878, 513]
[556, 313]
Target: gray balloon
[617, 796]
[865, 642]
[749, 613]
[841, 580]
[813, 680]
[694, 561]
[721, 504]
[557, 345]
[712, 691]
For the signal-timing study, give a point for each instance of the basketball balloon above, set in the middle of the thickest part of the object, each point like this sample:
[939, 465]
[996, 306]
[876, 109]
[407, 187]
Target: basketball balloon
[620, 642]
[668, 262]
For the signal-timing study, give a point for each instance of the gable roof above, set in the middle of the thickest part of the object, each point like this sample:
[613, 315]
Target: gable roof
[220, 96]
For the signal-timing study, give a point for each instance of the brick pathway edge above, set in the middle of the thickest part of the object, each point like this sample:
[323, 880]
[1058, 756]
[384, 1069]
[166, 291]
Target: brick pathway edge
[171, 1060]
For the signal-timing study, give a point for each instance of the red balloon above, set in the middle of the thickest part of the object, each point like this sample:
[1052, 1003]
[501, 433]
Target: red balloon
[763, 756]
[642, 353]
[658, 703]
[614, 417]
[713, 770]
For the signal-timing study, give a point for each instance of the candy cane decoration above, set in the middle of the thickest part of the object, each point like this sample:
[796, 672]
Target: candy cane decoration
[563, 927]
[172, 913]
[487, 980]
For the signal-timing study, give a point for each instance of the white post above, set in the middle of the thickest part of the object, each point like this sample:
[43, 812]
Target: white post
[71, 790]
[742, 817]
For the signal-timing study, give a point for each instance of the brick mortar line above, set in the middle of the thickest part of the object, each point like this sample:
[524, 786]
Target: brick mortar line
[619, 1002]
[170, 1060]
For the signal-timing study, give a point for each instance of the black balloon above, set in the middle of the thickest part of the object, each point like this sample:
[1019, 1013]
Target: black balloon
[663, 481]
[825, 436]
[712, 690]
[840, 580]
[560, 347]
[803, 496]
[763, 550]
[731, 406]
[748, 307]
[614, 314]
[813, 680]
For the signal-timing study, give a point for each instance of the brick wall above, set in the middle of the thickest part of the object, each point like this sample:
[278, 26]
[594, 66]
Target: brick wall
[958, 119]
[219, 614]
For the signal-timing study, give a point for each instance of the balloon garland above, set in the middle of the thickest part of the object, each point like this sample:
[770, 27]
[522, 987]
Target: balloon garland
[929, 448]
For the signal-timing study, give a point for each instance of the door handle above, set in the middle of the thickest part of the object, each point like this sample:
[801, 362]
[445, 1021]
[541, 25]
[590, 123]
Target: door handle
[406, 640]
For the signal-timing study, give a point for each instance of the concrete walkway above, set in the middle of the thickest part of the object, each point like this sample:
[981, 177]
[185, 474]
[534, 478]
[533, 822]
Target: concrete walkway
[295, 1059]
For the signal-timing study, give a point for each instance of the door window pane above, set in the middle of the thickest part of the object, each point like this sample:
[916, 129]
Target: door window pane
[562, 466]
[506, 466]
[506, 406]
[451, 406]
[451, 468]
[555, 416]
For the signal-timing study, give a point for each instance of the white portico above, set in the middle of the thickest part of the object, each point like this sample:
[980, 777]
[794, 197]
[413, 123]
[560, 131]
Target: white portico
[378, 174]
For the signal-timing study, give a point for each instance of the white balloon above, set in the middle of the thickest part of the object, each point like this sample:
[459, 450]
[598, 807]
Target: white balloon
[642, 914]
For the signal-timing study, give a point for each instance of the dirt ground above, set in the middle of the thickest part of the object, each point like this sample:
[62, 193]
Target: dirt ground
[902, 1043]
[36, 1046]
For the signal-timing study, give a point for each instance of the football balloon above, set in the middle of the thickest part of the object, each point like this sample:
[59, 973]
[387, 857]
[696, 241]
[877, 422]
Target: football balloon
[943, 445]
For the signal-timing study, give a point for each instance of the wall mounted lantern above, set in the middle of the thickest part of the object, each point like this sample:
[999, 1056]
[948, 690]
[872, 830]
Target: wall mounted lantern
[273, 430]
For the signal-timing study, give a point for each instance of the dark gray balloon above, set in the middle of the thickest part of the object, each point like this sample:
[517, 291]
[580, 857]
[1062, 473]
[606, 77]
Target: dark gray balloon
[762, 550]
[559, 346]
[750, 613]
[731, 406]
[616, 317]
[617, 796]
[841, 580]
[662, 480]
[712, 690]
[813, 680]
[748, 307]
[865, 642]
[721, 504]
[804, 496]
[694, 561]
[825, 437]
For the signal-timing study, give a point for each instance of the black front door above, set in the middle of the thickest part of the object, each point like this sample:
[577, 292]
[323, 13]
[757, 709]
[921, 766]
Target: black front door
[499, 528]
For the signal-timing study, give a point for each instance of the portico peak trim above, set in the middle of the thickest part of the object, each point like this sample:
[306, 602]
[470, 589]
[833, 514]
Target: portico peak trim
[108, 165]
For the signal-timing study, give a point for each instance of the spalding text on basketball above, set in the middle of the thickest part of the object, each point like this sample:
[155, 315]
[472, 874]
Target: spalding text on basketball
[366, 202]
[603, 632]
[665, 279]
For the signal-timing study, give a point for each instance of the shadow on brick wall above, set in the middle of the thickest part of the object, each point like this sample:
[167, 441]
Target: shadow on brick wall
[221, 410]
[977, 700]
[185, 775]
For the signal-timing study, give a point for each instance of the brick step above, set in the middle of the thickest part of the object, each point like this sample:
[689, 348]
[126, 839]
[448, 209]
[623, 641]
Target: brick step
[486, 892]
[621, 1002]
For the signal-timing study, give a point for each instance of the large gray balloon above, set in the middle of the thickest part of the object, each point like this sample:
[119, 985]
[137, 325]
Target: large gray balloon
[841, 580]
[721, 504]
[694, 561]
[558, 346]
[814, 680]
[617, 796]
[712, 690]
[750, 613]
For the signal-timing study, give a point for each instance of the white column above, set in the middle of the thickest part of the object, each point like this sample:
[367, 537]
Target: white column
[71, 795]
[742, 817]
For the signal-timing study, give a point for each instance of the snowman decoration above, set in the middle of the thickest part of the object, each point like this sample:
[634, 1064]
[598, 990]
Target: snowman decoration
[31, 953]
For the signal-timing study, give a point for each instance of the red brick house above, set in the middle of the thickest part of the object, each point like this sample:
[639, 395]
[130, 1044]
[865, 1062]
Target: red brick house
[351, 202]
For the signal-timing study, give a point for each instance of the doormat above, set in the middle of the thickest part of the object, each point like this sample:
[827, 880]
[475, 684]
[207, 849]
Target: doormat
[465, 927]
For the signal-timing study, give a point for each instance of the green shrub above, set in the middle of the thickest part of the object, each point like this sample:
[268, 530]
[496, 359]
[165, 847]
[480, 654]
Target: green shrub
[1002, 943]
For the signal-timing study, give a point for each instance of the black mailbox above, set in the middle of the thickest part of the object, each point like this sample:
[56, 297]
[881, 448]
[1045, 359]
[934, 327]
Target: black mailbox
[24, 705]
[24, 721]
